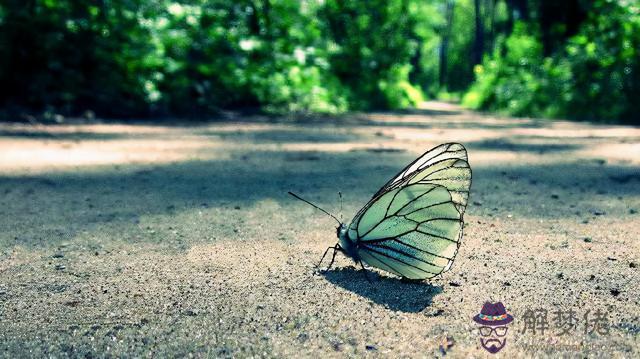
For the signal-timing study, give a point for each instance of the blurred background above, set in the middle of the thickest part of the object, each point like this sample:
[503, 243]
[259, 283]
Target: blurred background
[571, 59]
[132, 226]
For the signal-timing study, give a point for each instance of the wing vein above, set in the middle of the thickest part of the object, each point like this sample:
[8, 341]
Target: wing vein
[435, 235]
[403, 253]
[429, 206]
[373, 251]
[419, 249]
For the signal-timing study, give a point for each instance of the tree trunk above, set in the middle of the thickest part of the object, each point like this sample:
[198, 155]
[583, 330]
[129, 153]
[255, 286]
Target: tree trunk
[444, 45]
[478, 45]
[519, 9]
[491, 4]
[569, 13]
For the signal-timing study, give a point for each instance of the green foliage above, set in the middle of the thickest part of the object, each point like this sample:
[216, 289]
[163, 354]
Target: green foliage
[514, 82]
[595, 76]
[604, 59]
[62, 53]
[193, 57]
[459, 62]
[125, 58]
[221, 54]
[370, 47]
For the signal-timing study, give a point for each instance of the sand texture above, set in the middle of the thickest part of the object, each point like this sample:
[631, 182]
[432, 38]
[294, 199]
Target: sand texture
[172, 240]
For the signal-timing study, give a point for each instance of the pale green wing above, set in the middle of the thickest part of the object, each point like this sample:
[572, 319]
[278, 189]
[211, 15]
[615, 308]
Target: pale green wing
[412, 231]
[446, 165]
[452, 174]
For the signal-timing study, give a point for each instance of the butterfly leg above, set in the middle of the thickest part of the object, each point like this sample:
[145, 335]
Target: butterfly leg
[333, 258]
[364, 270]
[335, 248]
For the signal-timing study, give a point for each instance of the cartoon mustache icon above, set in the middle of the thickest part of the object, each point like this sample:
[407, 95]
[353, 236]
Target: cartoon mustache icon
[493, 345]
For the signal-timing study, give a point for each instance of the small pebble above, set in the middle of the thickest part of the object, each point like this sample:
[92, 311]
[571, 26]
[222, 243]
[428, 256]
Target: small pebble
[58, 255]
[60, 267]
[615, 292]
[435, 312]
[446, 344]
[371, 347]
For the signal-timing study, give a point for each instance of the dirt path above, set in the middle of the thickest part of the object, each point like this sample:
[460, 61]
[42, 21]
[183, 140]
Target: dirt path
[170, 240]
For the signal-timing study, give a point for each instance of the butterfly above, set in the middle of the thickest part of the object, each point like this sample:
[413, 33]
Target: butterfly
[412, 227]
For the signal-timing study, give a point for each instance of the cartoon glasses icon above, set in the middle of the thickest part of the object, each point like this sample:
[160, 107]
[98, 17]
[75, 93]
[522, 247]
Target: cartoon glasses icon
[500, 331]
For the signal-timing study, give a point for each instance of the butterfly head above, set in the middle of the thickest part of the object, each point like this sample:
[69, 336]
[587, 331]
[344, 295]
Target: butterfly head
[346, 244]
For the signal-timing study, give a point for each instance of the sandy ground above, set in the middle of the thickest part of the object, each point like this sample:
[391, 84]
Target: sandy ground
[143, 240]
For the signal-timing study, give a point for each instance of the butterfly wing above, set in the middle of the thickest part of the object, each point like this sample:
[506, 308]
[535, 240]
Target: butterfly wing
[413, 225]
[412, 231]
[445, 165]
[436, 154]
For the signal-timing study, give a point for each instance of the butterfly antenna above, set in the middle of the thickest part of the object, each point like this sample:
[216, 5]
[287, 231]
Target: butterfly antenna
[314, 206]
[340, 195]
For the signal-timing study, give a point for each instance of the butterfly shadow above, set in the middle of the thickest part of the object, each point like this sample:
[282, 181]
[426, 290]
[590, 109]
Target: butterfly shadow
[393, 293]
